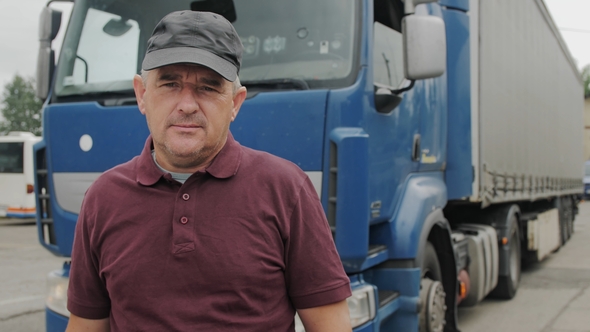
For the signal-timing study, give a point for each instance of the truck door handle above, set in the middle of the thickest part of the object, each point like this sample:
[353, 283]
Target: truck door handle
[416, 148]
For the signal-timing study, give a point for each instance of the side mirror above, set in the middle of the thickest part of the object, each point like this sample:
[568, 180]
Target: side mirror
[385, 100]
[49, 22]
[117, 27]
[425, 46]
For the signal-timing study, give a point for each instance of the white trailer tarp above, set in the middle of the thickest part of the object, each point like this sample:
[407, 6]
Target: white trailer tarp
[527, 104]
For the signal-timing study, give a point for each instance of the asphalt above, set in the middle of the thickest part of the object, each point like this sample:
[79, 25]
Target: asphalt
[554, 295]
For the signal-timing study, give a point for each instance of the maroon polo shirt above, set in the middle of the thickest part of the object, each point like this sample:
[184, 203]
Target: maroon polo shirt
[235, 248]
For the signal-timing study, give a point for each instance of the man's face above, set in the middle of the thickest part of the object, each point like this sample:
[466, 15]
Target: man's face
[188, 110]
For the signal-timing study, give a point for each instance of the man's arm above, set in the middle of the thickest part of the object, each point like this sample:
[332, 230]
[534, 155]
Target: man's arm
[328, 318]
[79, 324]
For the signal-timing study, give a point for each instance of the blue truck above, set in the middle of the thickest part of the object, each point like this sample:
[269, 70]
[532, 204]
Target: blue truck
[443, 137]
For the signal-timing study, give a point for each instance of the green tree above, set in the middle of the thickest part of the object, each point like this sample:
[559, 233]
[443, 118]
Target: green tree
[586, 79]
[21, 109]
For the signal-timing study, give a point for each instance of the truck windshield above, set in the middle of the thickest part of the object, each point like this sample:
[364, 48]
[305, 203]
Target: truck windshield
[309, 43]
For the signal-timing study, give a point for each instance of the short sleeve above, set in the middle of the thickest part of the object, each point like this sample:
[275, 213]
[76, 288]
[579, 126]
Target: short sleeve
[87, 294]
[314, 272]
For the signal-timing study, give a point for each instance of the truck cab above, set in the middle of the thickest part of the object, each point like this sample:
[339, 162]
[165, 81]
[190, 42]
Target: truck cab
[326, 84]
[378, 101]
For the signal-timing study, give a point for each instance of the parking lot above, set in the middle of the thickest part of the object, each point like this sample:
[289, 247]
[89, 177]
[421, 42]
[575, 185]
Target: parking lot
[554, 296]
[24, 265]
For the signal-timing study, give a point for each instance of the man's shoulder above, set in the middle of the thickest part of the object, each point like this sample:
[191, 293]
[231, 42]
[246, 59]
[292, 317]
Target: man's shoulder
[268, 164]
[118, 175]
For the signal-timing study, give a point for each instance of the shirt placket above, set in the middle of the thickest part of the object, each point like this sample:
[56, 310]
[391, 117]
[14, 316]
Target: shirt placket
[183, 222]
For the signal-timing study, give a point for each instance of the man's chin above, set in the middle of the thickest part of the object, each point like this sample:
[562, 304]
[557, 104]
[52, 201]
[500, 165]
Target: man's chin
[185, 159]
[185, 152]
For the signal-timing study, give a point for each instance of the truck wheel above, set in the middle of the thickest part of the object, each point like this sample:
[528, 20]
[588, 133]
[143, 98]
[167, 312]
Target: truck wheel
[508, 285]
[432, 294]
[569, 217]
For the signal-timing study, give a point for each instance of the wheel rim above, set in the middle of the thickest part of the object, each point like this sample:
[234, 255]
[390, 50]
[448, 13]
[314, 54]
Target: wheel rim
[432, 295]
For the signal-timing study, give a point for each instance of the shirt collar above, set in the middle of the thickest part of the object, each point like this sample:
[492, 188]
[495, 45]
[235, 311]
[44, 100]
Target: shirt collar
[227, 162]
[224, 165]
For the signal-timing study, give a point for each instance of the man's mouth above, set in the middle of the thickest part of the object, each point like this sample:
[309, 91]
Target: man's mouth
[186, 125]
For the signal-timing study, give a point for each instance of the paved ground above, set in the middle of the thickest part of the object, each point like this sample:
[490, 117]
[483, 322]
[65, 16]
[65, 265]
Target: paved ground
[23, 267]
[554, 296]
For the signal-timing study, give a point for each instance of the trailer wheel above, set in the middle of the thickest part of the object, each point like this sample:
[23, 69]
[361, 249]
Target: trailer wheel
[508, 285]
[432, 294]
[569, 212]
[565, 225]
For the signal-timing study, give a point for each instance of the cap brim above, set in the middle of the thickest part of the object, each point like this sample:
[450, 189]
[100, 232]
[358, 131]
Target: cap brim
[176, 55]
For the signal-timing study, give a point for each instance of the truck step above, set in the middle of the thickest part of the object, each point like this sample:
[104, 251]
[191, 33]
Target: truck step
[386, 296]
[376, 248]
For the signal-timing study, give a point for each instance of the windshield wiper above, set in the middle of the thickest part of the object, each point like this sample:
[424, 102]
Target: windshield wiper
[105, 98]
[277, 84]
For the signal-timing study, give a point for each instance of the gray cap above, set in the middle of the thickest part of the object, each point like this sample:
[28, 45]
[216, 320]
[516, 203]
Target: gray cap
[201, 38]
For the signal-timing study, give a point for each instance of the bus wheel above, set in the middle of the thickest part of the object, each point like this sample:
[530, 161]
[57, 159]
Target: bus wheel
[432, 294]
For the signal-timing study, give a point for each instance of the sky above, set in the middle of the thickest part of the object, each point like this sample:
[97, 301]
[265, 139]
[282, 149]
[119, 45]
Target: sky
[19, 26]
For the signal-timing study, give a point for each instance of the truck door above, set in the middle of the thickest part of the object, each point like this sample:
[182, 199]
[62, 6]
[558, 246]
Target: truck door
[431, 103]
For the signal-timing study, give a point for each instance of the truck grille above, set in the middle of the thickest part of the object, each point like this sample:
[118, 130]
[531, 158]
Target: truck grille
[43, 204]
[332, 180]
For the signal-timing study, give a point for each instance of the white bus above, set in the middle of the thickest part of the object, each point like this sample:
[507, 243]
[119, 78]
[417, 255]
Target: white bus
[17, 192]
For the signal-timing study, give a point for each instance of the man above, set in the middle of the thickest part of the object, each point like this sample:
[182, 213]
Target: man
[199, 233]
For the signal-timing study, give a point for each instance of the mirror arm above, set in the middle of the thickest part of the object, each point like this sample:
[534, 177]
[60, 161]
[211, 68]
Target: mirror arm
[410, 5]
[385, 100]
[409, 87]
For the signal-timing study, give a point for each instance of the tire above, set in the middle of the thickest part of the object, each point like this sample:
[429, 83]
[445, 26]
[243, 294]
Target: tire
[432, 295]
[569, 212]
[508, 285]
[565, 225]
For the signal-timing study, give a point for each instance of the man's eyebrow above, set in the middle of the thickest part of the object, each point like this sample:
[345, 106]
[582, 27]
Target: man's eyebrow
[168, 77]
[216, 82]
[172, 76]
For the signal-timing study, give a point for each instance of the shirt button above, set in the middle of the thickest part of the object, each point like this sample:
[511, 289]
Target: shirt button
[186, 197]
[183, 220]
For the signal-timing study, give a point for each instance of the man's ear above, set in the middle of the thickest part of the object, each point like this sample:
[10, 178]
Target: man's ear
[239, 98]
[139, 89]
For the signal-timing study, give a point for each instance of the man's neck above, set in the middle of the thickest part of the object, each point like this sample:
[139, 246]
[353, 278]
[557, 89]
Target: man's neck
[180, 177]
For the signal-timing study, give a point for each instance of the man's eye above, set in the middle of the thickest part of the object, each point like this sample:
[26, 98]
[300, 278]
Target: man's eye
[170, 84]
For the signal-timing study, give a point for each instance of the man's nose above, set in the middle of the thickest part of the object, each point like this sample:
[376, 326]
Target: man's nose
[188, 102]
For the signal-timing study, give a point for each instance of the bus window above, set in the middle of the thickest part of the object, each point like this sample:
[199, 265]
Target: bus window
[11, 157]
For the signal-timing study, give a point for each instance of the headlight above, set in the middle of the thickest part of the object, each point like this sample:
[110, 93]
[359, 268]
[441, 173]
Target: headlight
[57, 293]
[361, 305]
[298, 324]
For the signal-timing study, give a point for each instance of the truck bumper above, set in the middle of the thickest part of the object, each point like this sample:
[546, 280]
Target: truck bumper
[55, 322]
[368, 327]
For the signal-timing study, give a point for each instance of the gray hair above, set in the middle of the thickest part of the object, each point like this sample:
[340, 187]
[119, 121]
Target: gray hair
[236, 83]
